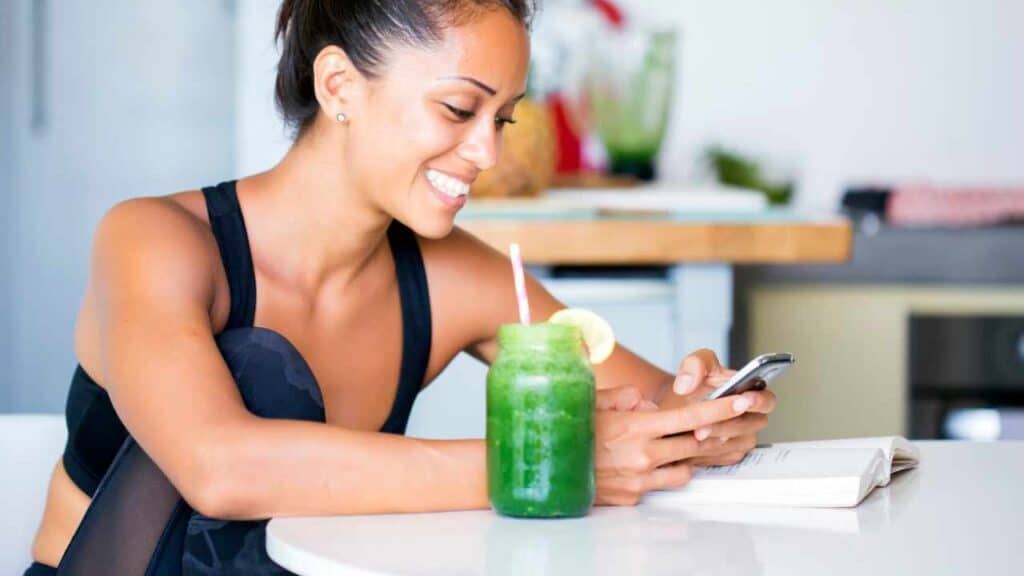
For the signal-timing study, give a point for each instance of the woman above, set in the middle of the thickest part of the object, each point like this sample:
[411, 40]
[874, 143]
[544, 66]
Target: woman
[349, 245]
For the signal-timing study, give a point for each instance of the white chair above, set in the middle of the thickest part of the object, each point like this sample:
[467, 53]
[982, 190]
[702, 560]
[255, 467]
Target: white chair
[30, 445]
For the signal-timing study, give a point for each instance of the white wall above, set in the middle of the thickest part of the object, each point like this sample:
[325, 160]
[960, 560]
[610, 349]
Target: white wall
[851, 90]
[139, 103]
[7, 198]
[260, 139]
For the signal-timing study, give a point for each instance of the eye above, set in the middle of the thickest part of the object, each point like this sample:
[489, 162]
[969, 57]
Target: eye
[461, 114]
[502, 122]
[464, 115]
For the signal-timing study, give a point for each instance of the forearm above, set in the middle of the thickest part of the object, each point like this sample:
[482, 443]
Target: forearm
[624, 368]
[290, 468]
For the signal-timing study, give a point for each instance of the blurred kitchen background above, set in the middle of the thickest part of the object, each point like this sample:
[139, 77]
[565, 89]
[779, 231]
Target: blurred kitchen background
[892, 128]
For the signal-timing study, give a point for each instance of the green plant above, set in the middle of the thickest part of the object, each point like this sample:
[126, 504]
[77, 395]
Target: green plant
[734, 169]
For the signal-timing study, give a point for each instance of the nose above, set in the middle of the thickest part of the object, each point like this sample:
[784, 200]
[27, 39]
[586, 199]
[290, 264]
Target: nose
[481, 146]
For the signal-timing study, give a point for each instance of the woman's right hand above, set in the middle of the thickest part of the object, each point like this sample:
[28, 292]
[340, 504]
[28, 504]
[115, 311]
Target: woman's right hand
[639, 448]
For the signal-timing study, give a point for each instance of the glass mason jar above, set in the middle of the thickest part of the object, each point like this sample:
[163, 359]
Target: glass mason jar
[540, 422]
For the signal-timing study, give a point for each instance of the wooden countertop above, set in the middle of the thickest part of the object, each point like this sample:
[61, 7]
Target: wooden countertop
[769, 236]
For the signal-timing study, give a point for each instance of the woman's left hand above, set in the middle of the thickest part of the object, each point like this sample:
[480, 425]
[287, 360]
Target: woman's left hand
[729, 441]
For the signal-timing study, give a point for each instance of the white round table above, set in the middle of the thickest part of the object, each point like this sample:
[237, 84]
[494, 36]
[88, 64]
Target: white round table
[960, 512]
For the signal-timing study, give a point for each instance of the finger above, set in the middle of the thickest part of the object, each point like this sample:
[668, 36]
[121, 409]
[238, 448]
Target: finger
[690, 417]
[724, 459]
[715, 452]
[743, 444]
[694, 369]
[627, 490]
[623, 490]
[609, 497]
[764, 401]
[648, 406]
[623, 398]
[749, 423]
[712, 381]
[674, 476]
[673, 449]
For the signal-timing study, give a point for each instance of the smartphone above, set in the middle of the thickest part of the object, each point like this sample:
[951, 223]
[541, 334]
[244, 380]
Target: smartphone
[755, 375]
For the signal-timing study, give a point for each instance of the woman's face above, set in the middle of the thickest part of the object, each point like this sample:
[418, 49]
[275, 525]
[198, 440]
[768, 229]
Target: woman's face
[432, 121]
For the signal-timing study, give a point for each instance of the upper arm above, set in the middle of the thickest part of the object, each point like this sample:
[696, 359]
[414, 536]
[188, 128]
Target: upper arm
[476, 293]
[153, 282]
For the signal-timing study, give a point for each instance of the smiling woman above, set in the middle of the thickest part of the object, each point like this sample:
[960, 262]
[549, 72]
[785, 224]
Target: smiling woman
[199, 410]
[403, 79]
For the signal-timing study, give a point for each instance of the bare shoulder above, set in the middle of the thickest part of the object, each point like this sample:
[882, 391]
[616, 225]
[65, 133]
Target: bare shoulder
[167, 223]
[161, 239]
[180, 209]
[153, 259]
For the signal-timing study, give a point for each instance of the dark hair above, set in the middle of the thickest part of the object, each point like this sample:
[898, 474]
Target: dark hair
[363, 29]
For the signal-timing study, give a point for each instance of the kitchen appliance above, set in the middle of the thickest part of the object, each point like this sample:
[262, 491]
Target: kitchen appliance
[966, 377]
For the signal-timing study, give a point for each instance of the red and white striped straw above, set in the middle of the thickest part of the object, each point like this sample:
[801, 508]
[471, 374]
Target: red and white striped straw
[520, 281]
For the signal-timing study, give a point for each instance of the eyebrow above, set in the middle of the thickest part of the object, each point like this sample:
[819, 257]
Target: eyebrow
[479, 85]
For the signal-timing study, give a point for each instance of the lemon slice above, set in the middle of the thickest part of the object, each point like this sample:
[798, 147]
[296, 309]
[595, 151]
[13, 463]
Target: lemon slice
[597, 333]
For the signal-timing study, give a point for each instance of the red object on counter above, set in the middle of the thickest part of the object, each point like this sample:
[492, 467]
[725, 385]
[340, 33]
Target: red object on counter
[570, 128]
[568, 147]
[948, 206]
[612, 13]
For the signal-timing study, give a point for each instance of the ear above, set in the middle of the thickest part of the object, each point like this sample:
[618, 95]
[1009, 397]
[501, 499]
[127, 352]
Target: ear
[336, 81]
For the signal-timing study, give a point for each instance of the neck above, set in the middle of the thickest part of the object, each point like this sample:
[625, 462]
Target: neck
[314, 225]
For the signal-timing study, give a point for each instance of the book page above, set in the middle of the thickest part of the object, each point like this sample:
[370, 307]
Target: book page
[782, 462]
[883, 443]
[899, 453]
[780, 476]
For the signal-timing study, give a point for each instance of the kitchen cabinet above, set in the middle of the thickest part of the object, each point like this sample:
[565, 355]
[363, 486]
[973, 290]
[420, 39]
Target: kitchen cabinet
[850, 343]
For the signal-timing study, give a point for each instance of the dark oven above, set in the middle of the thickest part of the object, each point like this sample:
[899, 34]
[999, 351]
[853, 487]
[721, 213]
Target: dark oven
[966, 377]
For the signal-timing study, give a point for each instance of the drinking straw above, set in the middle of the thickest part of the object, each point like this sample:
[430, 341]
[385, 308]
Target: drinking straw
[520, 281]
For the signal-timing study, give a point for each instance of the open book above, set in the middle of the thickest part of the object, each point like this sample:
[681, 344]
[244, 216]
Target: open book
[826, 474]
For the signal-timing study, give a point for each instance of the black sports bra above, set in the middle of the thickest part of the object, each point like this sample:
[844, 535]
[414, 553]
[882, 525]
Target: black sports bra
[95, 433]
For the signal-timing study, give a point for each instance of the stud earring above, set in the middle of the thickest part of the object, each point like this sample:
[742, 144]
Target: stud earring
[341, 117]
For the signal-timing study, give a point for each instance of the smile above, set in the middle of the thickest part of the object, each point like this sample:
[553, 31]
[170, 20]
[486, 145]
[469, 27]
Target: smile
[447, 185]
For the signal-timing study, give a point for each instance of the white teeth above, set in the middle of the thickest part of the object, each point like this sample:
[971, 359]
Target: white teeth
[451, 187]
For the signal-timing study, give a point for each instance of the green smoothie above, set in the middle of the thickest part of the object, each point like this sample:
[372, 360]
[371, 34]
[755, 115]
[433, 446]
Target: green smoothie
[540, 422]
